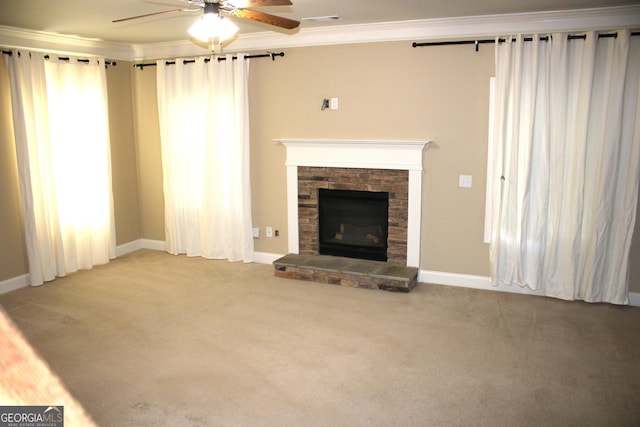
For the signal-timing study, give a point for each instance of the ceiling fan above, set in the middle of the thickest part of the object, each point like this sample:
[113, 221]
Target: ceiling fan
[213, 25]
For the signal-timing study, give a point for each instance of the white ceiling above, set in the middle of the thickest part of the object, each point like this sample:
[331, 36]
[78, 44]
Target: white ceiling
[91, 19]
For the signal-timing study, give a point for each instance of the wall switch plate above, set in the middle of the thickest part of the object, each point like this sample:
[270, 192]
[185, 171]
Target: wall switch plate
[256, 232]
[465, 181]
[269, 231]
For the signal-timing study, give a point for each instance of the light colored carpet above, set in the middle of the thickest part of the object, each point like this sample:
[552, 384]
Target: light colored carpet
[153, 339]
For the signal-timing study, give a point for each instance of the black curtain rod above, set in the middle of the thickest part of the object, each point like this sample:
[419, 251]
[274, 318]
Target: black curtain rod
[65, 58]
[271, 55]
[477, 43]
[85, 61]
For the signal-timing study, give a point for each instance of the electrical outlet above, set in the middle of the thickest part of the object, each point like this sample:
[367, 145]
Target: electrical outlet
[465, 181]
[269, 231]
[256, 232]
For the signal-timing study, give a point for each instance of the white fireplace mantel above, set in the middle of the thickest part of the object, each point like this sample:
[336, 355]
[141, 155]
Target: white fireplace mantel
[367, 154]
[350, 153]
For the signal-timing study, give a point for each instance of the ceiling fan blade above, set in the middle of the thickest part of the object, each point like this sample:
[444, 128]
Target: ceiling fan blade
[259, 3]
[266, 18]
[155, 13]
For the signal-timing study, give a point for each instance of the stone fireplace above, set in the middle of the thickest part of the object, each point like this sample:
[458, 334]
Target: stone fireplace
[393, 182]
[367, 162]
[393, 167]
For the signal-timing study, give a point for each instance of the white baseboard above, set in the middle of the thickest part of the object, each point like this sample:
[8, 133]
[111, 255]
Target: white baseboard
[468, 281]
[158, 245]
[127, 248]
[14, 283]
[136, 245]
[453, 279]
[265, 257]
[483, 282]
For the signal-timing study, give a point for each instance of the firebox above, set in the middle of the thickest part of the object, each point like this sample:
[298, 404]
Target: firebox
[353, 224]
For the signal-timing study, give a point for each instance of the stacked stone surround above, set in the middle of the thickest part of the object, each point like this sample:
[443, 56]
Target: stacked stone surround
[395, 182]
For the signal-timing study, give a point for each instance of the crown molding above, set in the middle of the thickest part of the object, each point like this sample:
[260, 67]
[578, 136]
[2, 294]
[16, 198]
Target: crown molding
[607, 18]
[18, 38]
[418, 30]
[449, 28]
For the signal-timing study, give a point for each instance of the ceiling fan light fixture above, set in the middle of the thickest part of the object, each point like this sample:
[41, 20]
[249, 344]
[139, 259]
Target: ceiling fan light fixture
[212, 26]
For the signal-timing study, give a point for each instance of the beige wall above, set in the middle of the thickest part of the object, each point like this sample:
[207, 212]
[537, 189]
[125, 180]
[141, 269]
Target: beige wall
[13, 254]
[147, 131]
[123, 155]
[386, 91]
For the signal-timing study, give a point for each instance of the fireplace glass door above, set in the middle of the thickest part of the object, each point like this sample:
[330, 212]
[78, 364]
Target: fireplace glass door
[353, 224]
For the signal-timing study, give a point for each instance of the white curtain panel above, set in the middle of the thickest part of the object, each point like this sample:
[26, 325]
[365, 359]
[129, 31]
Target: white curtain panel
[60, 118]
[567, 162]
[204, 128]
